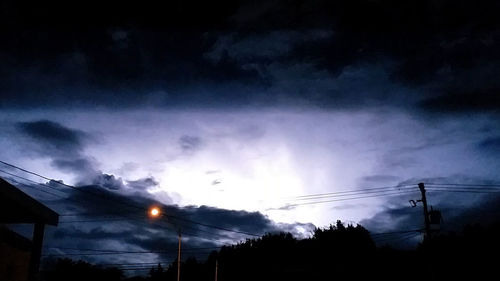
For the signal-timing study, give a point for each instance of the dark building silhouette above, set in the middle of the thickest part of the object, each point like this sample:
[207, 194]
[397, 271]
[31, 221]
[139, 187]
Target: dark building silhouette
[19, 256]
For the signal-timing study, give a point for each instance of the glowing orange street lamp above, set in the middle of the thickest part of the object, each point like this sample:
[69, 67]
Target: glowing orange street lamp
[155, 212]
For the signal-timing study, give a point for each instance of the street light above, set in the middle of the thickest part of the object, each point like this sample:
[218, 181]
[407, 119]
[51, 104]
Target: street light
[155, 212]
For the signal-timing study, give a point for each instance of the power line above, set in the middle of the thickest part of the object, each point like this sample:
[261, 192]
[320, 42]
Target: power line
[125, 253]
[97, 220]
[348, 195]
[463, 184]
[74, 188]
[462, 190]
[124, 218]
[48, 186]
[78, 201]
[38, 190]
[397, 238]
[205, 231]
[466, 188]
[131, 205]
[376, 190]
[135, 263]
[83, 214]
[29, 172]
[128, 219]
[213, 226]
[368, 190]
[128, 204]
[32, 181]
[353, 198]
[127, 269]
[388, 236]
[162, 227]
[131, 252]
[41, 190]
[382, 191]
[397, 232]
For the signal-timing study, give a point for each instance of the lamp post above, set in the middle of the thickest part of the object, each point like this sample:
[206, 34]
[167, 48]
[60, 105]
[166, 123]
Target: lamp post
[179, 258]
[155, 212]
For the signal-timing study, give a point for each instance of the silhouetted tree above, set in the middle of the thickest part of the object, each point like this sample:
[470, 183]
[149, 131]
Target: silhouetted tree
[338, 252]
[67, 269]
[156, 273]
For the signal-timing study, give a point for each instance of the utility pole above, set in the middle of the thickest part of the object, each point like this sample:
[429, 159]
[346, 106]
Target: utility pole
[216, 268]
[426, 212]
[179, 258]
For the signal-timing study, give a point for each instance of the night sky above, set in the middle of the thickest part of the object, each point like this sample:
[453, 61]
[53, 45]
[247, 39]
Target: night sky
[226, 112]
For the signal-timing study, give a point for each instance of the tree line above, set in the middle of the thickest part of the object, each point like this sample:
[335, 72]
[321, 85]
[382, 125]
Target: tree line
[338, 252]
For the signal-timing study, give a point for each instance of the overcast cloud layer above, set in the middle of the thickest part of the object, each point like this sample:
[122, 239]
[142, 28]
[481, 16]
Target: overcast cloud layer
[430, 55]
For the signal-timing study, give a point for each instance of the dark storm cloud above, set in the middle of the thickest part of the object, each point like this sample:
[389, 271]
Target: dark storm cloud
[79, 165]
[486, 213]
[251, 222]
[108, 181]
[143, 184]
[96, 233]
[274, 45]
[457, 208]
[483, 100]
[395, 219]
[412, 30]
[490, 145]
[53, 137]
[442, 47]
[240, 53]
[120, 221]
[159, 69]
[65, 147]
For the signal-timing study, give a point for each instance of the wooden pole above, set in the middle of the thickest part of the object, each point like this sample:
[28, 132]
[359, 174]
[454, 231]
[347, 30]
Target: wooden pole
[179, 259]
[426, 212]
[216, 268]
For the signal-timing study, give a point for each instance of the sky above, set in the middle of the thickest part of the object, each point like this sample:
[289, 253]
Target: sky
[230, 112]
